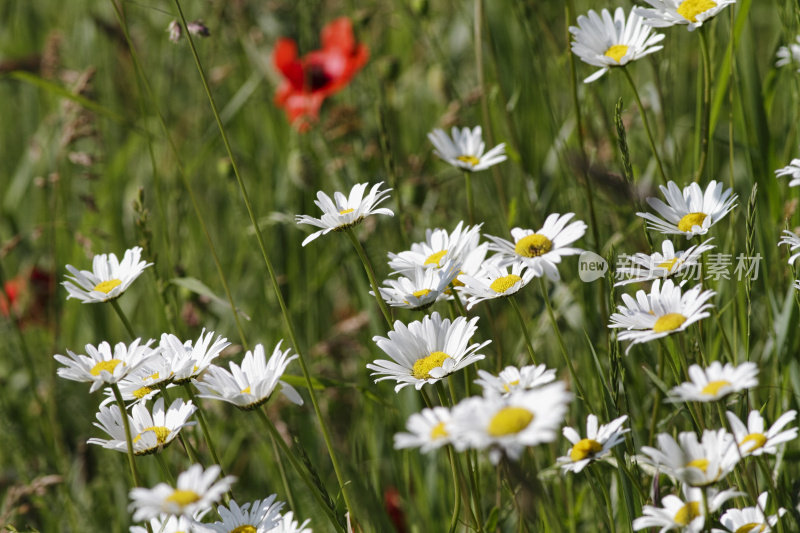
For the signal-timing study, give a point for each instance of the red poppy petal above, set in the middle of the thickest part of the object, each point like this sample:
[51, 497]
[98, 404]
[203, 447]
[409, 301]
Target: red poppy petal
[285, 58]
[339, 34]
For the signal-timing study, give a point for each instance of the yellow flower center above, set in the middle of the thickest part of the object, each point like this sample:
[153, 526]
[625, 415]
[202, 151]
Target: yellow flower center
[420, 293]
[247, 528]
[533, 245]
[161, 433]
[438, 431]
[501, 285]
[423, 366]
[712, 387]
[469, 159]
[757, 439]
[435, 259]
[152, 376]
[689, 9]
[108, 366]
[752, 527]
[687, 513]
[183, 497]
[510, 384]
[246, 390]
[691, 220]
[668, 322]
[584, 448]
[617, 52]
[702, 464]
[345, 211]
[142, 392]
[668, 264]
[107, 286]
[509, 420]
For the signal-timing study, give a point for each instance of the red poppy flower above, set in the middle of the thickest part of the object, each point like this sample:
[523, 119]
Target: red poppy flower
[319, 74]
[25, 297]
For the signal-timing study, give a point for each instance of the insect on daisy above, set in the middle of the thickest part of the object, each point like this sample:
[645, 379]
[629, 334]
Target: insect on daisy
[696, 463]
[715, 382]
[662, 312]
[687, 514]
[426, 351]
[689, 211]
[493, 281]
[465, 149]
[749, 519]
[257, 516]
[596, 445]
[792, 170]
[603, 41]
[754, 440]
[513, 379]
[102, 366]
[343, 212]
[666, 13]
[668, 262]
[428, 430]
[108, 279]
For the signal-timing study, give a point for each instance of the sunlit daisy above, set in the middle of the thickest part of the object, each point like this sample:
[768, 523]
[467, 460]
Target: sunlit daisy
[715, 382]
[344, 212]
[596, 445]
[662, 264]
[605, 42]
[171, 524]
[789, 54]
[507, 424]
[102, 366]
[426, 351]
[287, 524]
[543, 249]
[687, 514]
[493, 281]
[791, 240]
[188, 360]
[465, 149]
[420, 289]
[793, 170]
[259, 516]
[196, 491]
[754, 440]
[696, 463]
[439, 247]
[150, 433]
[135, 388]
[428, 430]
[691, 211]
[666, 13]
[250, 385]
[662, 312]
[749, 519]
[512, 379]
[108, 279]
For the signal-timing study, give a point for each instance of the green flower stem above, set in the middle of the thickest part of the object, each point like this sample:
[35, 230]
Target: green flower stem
[162, 463]
[201, 417]
[706, 510]
[524, 327]
[603, 498]
[190, 451]
[646, 125]
[287, 488]
[458, 493]
[706, 116]
[123, 318]
[475, 490]
[457, 300]
[470, 201]
[362, 254]
[128, 439]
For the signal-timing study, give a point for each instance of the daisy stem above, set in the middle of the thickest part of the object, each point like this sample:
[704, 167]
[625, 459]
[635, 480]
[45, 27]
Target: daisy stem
[122, 317]
[127, 425]
[201, 417]
[706, 512]
[475, 491]
[457, 495]
[282, 471]
[470, 201]
[457, 301]
[603, 498]
[706, 116]
[162, 464]
[524, 327]
[362, 254]
[646, 125]
[190, 451]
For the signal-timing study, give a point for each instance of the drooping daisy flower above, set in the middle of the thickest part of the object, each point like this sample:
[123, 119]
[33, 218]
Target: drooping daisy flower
[789, 54]
[428, 430]
[689, 212]
[687, 514]
[754, 440]
[196, 491]
[108, 279]
[598, 442]
[465, 149]
[345, 212]
[259, 516]
[188, 361]
[493, 281]
[793, 170]
[287, 524]
[749, 519]
[420, 289]
[440, 246]
[171, 524]
[605, 42]
[696, 463]
[150, 433]
[512, 379]
[101, 366]
[662, 312]
[508, 424]
[250, 385]
[793, 242]
[666, 13]
[426, 351]
[135, 388]
[541, 250]
[662, 264]
[715, 382]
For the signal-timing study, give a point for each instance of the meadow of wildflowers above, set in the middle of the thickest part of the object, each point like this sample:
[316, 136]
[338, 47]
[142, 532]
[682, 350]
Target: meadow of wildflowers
[400, 266]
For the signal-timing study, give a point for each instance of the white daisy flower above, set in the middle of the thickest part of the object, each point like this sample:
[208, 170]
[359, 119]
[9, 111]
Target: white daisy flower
[666, 13]
[605, 42]
[465, 149]
[788, 54]
[541, 250]
[108, 279]
[188, 361]
[493, 281]
[668, 262]
[428, 430]
[508, 424]
[150, 433]
[754, 440]
[687, 514]
[696, 463]
[689, 212]
[345, 212]
[170, 524]
[135, 388]
[196, 491]
[662, 312]
[513, 379]
[421, 290]
[101, 366]
[252, 384]
[793, 170]
[287, 524]
[259, 516]
[791, 240]
[426, 351]
[440, 246]
[749, 519]
[715, 382]
[596, 445]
